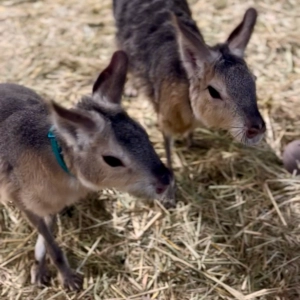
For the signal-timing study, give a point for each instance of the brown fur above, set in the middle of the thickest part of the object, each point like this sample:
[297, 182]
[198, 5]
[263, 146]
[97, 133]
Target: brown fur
[175, 119]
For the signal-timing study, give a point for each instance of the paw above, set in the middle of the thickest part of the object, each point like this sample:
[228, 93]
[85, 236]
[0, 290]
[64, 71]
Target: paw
[39, 275]
[72, 281]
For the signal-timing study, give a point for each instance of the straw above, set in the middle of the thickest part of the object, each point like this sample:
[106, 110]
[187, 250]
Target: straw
[235, 231]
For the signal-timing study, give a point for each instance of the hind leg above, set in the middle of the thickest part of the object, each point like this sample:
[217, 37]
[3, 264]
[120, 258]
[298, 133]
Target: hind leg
[39, 271]
[70, 279]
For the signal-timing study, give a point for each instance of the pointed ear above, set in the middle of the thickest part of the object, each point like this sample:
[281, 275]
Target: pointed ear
[72, 117]
[111, 81]
[71, 123]
[240, 36]
[194, 53]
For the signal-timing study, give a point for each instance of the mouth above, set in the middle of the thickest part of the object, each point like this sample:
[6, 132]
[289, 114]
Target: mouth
[147, 192]
[168, 200]
[255, 140]
[240, 135]
[144, 191]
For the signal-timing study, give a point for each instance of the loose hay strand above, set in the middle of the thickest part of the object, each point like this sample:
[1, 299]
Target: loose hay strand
[235, 231]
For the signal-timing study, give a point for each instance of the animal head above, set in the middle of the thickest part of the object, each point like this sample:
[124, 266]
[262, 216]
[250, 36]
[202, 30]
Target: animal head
[222, 88]
[107, 148]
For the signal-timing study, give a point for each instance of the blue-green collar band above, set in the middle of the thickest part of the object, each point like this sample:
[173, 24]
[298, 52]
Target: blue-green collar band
[57, 151]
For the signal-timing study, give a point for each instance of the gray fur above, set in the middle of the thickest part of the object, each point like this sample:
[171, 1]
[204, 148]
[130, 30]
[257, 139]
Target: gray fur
[168, 55]
[147, 35]
[94, 135]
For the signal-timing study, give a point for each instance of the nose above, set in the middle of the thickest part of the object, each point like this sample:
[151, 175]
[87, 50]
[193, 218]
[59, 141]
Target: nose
[160, 188]
[163, 181]
[255, 128]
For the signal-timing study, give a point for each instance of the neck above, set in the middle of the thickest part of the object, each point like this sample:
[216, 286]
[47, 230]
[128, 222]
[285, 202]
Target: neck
[57, 151]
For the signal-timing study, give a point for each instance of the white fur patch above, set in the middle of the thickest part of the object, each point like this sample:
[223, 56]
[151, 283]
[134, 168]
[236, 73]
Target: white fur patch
[105, 103]
[88, 184]
[40, 249]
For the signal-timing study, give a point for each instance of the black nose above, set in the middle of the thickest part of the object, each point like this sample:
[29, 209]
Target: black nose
[163, 179]
[255, 128]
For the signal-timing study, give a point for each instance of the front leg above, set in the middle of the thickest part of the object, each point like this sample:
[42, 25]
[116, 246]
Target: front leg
[189, 140]
[70, 279]
[168, 145]
[169, 201]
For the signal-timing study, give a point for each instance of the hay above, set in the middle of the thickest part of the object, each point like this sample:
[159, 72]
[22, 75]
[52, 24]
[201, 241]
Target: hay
[235, 231]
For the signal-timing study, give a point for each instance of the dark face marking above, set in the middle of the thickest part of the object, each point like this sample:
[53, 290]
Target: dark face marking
[239, 81]
[130, 135]
[241, 88]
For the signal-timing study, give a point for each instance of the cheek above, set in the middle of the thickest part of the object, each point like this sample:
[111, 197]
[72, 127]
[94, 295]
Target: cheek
[215, 113]
[119, 178]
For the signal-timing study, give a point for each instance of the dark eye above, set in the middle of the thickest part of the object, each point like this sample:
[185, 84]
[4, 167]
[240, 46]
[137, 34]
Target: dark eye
[214, 93]
[113, 161]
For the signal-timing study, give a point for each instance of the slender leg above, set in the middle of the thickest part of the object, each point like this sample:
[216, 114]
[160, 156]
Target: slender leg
[39, 272]
[169, 201]
[70, 279]
[189, 140]
[168, 145]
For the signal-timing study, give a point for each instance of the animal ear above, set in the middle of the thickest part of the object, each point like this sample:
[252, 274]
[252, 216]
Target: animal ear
[194, 53]
[71, 123]
[111, 81]
[240, 36]
[72, 117]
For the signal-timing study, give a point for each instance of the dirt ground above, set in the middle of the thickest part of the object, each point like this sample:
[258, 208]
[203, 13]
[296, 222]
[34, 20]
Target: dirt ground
[235, 231]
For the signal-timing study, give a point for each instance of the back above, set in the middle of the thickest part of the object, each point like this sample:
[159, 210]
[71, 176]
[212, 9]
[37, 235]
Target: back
[23, 121]
[146, 33]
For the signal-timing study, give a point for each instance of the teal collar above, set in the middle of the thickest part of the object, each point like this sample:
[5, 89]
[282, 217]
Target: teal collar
[56, 149]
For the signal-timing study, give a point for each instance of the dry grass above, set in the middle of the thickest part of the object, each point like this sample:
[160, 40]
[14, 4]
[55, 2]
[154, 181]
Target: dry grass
[235, 232]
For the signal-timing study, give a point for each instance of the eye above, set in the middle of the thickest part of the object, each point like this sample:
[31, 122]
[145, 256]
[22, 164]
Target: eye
[113, 161]
[214, 93]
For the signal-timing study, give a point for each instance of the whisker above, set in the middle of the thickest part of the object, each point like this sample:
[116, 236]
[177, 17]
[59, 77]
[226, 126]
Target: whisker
[237, 135]
[245, 140]
[238, 127]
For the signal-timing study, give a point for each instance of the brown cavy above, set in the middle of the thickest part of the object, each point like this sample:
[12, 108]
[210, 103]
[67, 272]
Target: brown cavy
[189, 82]
[50, 157]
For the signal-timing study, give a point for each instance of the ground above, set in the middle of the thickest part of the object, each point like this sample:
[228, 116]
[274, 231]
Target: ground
[235, 231]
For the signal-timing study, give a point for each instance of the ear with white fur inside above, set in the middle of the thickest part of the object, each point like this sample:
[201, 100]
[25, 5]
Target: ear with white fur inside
[194, 52]
[240, 36]
[73, 124]
[111, 81]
